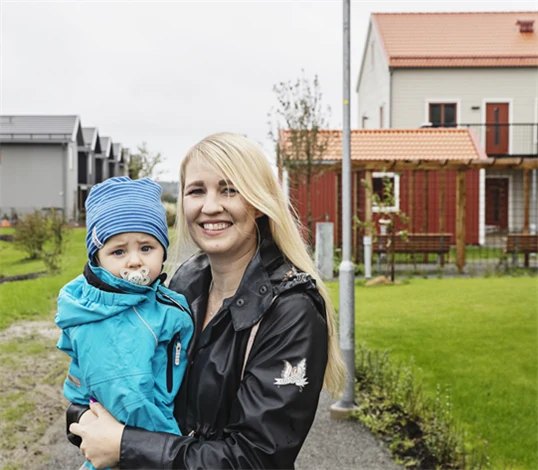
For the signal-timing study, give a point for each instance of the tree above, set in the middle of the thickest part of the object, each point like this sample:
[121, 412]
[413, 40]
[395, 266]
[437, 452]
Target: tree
[143, 163]
[301, 114]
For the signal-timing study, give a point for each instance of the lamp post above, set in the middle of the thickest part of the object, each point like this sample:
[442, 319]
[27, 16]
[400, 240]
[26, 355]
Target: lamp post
[346, 404]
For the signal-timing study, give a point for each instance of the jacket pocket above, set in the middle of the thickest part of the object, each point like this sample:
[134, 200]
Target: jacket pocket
[174, 354]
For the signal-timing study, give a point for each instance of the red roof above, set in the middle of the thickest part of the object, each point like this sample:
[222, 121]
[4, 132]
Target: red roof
[437, 144]
[458, 39]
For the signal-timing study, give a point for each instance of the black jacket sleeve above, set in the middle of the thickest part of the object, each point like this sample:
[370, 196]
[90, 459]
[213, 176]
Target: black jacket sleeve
[72, 415]
[274, 407]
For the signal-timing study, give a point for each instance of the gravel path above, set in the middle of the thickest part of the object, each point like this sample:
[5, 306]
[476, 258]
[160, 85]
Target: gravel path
[339, 445]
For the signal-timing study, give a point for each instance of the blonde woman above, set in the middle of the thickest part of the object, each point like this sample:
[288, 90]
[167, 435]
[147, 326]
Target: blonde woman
[265, 341]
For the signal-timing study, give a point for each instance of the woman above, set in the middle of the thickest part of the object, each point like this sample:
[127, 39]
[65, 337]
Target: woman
[241, 405]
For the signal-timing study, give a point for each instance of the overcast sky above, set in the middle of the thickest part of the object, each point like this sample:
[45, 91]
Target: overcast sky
[170, 73]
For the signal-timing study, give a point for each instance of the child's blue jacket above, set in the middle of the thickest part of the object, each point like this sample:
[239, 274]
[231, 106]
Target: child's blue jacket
[128, 345]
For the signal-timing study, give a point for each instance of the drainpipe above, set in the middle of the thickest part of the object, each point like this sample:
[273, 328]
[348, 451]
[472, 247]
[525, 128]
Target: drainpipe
[390, 98]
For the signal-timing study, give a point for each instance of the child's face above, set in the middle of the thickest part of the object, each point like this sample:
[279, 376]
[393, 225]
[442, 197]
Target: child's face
[132, 250]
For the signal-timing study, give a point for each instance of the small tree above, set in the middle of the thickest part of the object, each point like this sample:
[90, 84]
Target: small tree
[42, 237]
[301, 113]
[143, 163]
[31, 233]
[385, 202]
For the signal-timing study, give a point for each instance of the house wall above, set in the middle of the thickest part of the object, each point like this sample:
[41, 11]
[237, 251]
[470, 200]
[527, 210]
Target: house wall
[32, 177]
[323, 202]
[374, 85]
[71, 181]
[414, 89]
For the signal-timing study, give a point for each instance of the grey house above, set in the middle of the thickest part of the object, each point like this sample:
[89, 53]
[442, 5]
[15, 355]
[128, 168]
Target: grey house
[86, 162]
[102, 160]
[39, 164]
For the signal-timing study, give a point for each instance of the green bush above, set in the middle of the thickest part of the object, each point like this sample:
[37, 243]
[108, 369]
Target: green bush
[421, 433]
[31, 233]
[42, 236]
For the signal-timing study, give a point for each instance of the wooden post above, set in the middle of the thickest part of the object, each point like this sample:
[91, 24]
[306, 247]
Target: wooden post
[426, 222]
[526, 207]
[368, 203]
[460, 220]
[411, 207]
[442, 199]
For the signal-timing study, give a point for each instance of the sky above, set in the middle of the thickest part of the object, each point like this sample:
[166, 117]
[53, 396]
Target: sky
[170, 73]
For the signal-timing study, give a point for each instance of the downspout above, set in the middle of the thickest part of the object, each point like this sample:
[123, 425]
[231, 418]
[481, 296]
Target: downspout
[65, 168]
[533, 203]
[390, 97]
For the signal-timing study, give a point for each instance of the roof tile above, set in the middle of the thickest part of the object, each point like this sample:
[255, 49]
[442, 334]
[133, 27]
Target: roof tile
[480, 39]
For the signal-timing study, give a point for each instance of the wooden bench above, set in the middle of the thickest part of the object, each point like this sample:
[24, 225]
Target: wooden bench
[425, 243]
[521, 243]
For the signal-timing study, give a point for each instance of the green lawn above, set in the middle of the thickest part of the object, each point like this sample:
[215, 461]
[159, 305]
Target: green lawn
[477, 335]
[36, 298]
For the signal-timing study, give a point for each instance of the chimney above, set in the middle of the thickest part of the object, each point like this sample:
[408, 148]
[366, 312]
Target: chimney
[525, 26]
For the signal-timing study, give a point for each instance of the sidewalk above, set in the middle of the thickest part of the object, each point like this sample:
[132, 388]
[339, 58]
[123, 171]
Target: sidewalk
[339, 445]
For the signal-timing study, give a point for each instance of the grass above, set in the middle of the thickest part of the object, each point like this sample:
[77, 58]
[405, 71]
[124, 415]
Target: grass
[35, 298]
[479, 336]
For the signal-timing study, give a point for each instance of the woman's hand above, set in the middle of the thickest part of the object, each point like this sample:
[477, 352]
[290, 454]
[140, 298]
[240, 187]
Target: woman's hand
[101, 437]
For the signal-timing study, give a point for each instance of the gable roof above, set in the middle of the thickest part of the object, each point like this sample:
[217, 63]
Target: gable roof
[116, 147]
[40, 129]
[480, 39]
[91, 139]
[406, 145]
[106, 146]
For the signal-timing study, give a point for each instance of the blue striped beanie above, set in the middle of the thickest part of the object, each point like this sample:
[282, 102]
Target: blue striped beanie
[119, 205]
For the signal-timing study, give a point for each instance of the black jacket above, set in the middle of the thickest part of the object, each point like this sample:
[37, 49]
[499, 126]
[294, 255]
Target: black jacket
[261, 421]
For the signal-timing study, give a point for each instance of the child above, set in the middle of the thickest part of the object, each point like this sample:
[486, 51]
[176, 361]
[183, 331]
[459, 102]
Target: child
[126, 334]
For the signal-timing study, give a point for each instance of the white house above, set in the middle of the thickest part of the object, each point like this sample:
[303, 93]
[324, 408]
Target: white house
[477, 70]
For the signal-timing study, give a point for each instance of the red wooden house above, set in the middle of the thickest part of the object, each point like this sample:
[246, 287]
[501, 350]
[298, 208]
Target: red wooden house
[422, 165]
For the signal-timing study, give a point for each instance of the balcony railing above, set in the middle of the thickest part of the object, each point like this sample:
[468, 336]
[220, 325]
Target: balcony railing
[507, 140]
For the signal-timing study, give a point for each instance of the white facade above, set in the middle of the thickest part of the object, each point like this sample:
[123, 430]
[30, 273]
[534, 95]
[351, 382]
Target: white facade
[405, 95]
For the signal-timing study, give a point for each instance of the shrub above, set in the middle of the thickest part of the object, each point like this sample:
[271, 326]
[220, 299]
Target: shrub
[42, 236]
[31, 233]
[421, 433]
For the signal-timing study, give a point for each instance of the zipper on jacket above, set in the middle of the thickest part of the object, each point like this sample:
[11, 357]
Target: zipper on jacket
[177, 304]
[174, 353]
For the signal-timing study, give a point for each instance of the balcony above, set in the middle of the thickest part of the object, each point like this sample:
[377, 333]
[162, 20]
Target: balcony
[507, 140]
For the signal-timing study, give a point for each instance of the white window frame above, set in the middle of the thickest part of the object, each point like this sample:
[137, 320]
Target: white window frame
[396, 188]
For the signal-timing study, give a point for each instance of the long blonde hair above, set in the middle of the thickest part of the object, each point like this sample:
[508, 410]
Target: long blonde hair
[245, 165]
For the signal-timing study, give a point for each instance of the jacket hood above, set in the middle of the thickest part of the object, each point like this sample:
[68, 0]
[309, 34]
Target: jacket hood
[82, 300]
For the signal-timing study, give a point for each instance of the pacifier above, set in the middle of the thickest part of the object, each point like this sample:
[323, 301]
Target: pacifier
[136, 276]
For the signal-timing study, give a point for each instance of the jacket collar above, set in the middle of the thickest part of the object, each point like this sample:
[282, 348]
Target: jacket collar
[254, 294]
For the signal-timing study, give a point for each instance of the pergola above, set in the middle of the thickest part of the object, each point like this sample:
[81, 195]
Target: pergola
[395, 150]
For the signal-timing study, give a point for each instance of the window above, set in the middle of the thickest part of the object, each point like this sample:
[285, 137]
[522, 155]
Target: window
[379, 180]
[443, 114]
[363, 122]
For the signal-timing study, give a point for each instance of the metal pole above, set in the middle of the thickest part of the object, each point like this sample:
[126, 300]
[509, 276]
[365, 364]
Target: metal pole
[346, 403]
[534, 198]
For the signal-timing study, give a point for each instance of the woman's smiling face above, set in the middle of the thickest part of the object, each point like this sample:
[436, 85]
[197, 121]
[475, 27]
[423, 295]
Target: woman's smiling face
[220, 221]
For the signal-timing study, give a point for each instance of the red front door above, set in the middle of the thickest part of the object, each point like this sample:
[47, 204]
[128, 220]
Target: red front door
[497, 203]
[497, 128]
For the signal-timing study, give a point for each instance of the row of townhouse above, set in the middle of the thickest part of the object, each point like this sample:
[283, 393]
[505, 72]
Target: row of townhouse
[51, 162]
[424, 76]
